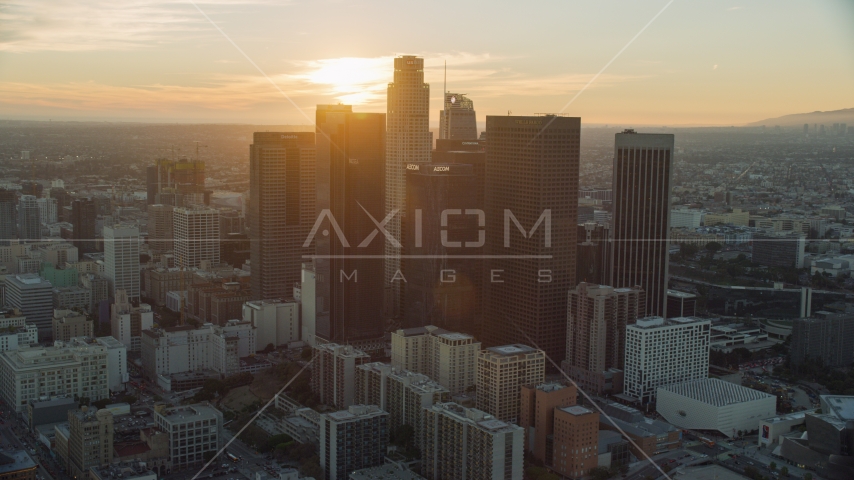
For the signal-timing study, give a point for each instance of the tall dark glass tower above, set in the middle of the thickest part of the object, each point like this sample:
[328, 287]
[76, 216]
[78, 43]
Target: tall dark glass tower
[444, 235]
[351, 167]
[281, 200]
[8, 215]
[457, 121]
[531, 225]
[29, 219]
[641, 225]
[84, 214]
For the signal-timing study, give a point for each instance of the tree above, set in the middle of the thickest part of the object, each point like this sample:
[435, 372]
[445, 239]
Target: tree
[808, 476]
[713, 247]
[772, 466]
[306, 353]
[666, 468]
[784, 471]
[269, 348]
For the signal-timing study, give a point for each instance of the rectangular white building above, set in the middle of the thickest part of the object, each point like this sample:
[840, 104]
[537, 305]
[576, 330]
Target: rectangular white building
[712, 404]
[117, 363]
[121, 259]
[275, 321]
[662, 352]
[128, 322]
[73, 368]
[685, 218]
[195, 231]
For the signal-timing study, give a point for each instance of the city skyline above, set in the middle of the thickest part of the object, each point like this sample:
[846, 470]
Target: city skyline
[163, 61]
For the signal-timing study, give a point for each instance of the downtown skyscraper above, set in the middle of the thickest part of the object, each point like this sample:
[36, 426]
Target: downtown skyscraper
[29, 219]
[281, 210]
[457, 121]
[8, 215]
[84, 214]
[350, 171]
[408, 140]
[531, 228]
[641, 223]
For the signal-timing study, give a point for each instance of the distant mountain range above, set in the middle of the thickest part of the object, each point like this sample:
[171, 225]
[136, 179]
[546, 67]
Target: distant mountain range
[798, 119]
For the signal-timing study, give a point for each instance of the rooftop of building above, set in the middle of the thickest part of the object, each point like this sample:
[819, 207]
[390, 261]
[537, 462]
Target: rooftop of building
[388, 471]
[415, 331]
[648, 323]
[129, 471]
[576, 410]
[52, 402]
[840, 405]
[474, 417]
[15, 461]
[608, 437]
[678, 294]
[355, 412]
[199, 411]
[550, 386]
[341, 350]
[788, 417]
[510, 350]
[715, 392]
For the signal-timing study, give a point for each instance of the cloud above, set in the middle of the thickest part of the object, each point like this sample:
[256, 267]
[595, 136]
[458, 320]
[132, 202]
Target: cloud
[68, 25]
[732, 9]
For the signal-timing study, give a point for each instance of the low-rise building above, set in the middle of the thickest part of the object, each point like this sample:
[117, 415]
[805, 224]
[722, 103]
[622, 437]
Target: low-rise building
[649, 436]
[194, 430]
[68, 324]
[16, 331]
[17, 465]
[712, 404]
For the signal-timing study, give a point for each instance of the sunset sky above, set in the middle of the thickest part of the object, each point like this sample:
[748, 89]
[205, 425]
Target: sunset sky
[698, 63]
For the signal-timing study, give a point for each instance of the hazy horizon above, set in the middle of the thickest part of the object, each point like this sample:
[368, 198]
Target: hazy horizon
[162, 61]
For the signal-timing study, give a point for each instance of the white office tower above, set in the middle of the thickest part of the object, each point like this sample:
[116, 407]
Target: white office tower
[408, 140]
[117, 363]
[467, 443]
[121, 257]
[127, 322]
[196, 235]
[33, 296]
[29, 219]
[448, 358]
[276, 322]
[662, 352]
[47, 209]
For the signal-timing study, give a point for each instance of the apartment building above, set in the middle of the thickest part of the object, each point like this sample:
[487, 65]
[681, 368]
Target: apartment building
[469, 444]
[334, 374]
[501, 372]
[352, 439]
[449, 358]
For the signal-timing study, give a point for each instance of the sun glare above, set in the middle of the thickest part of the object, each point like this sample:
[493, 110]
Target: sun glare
[351, 80]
